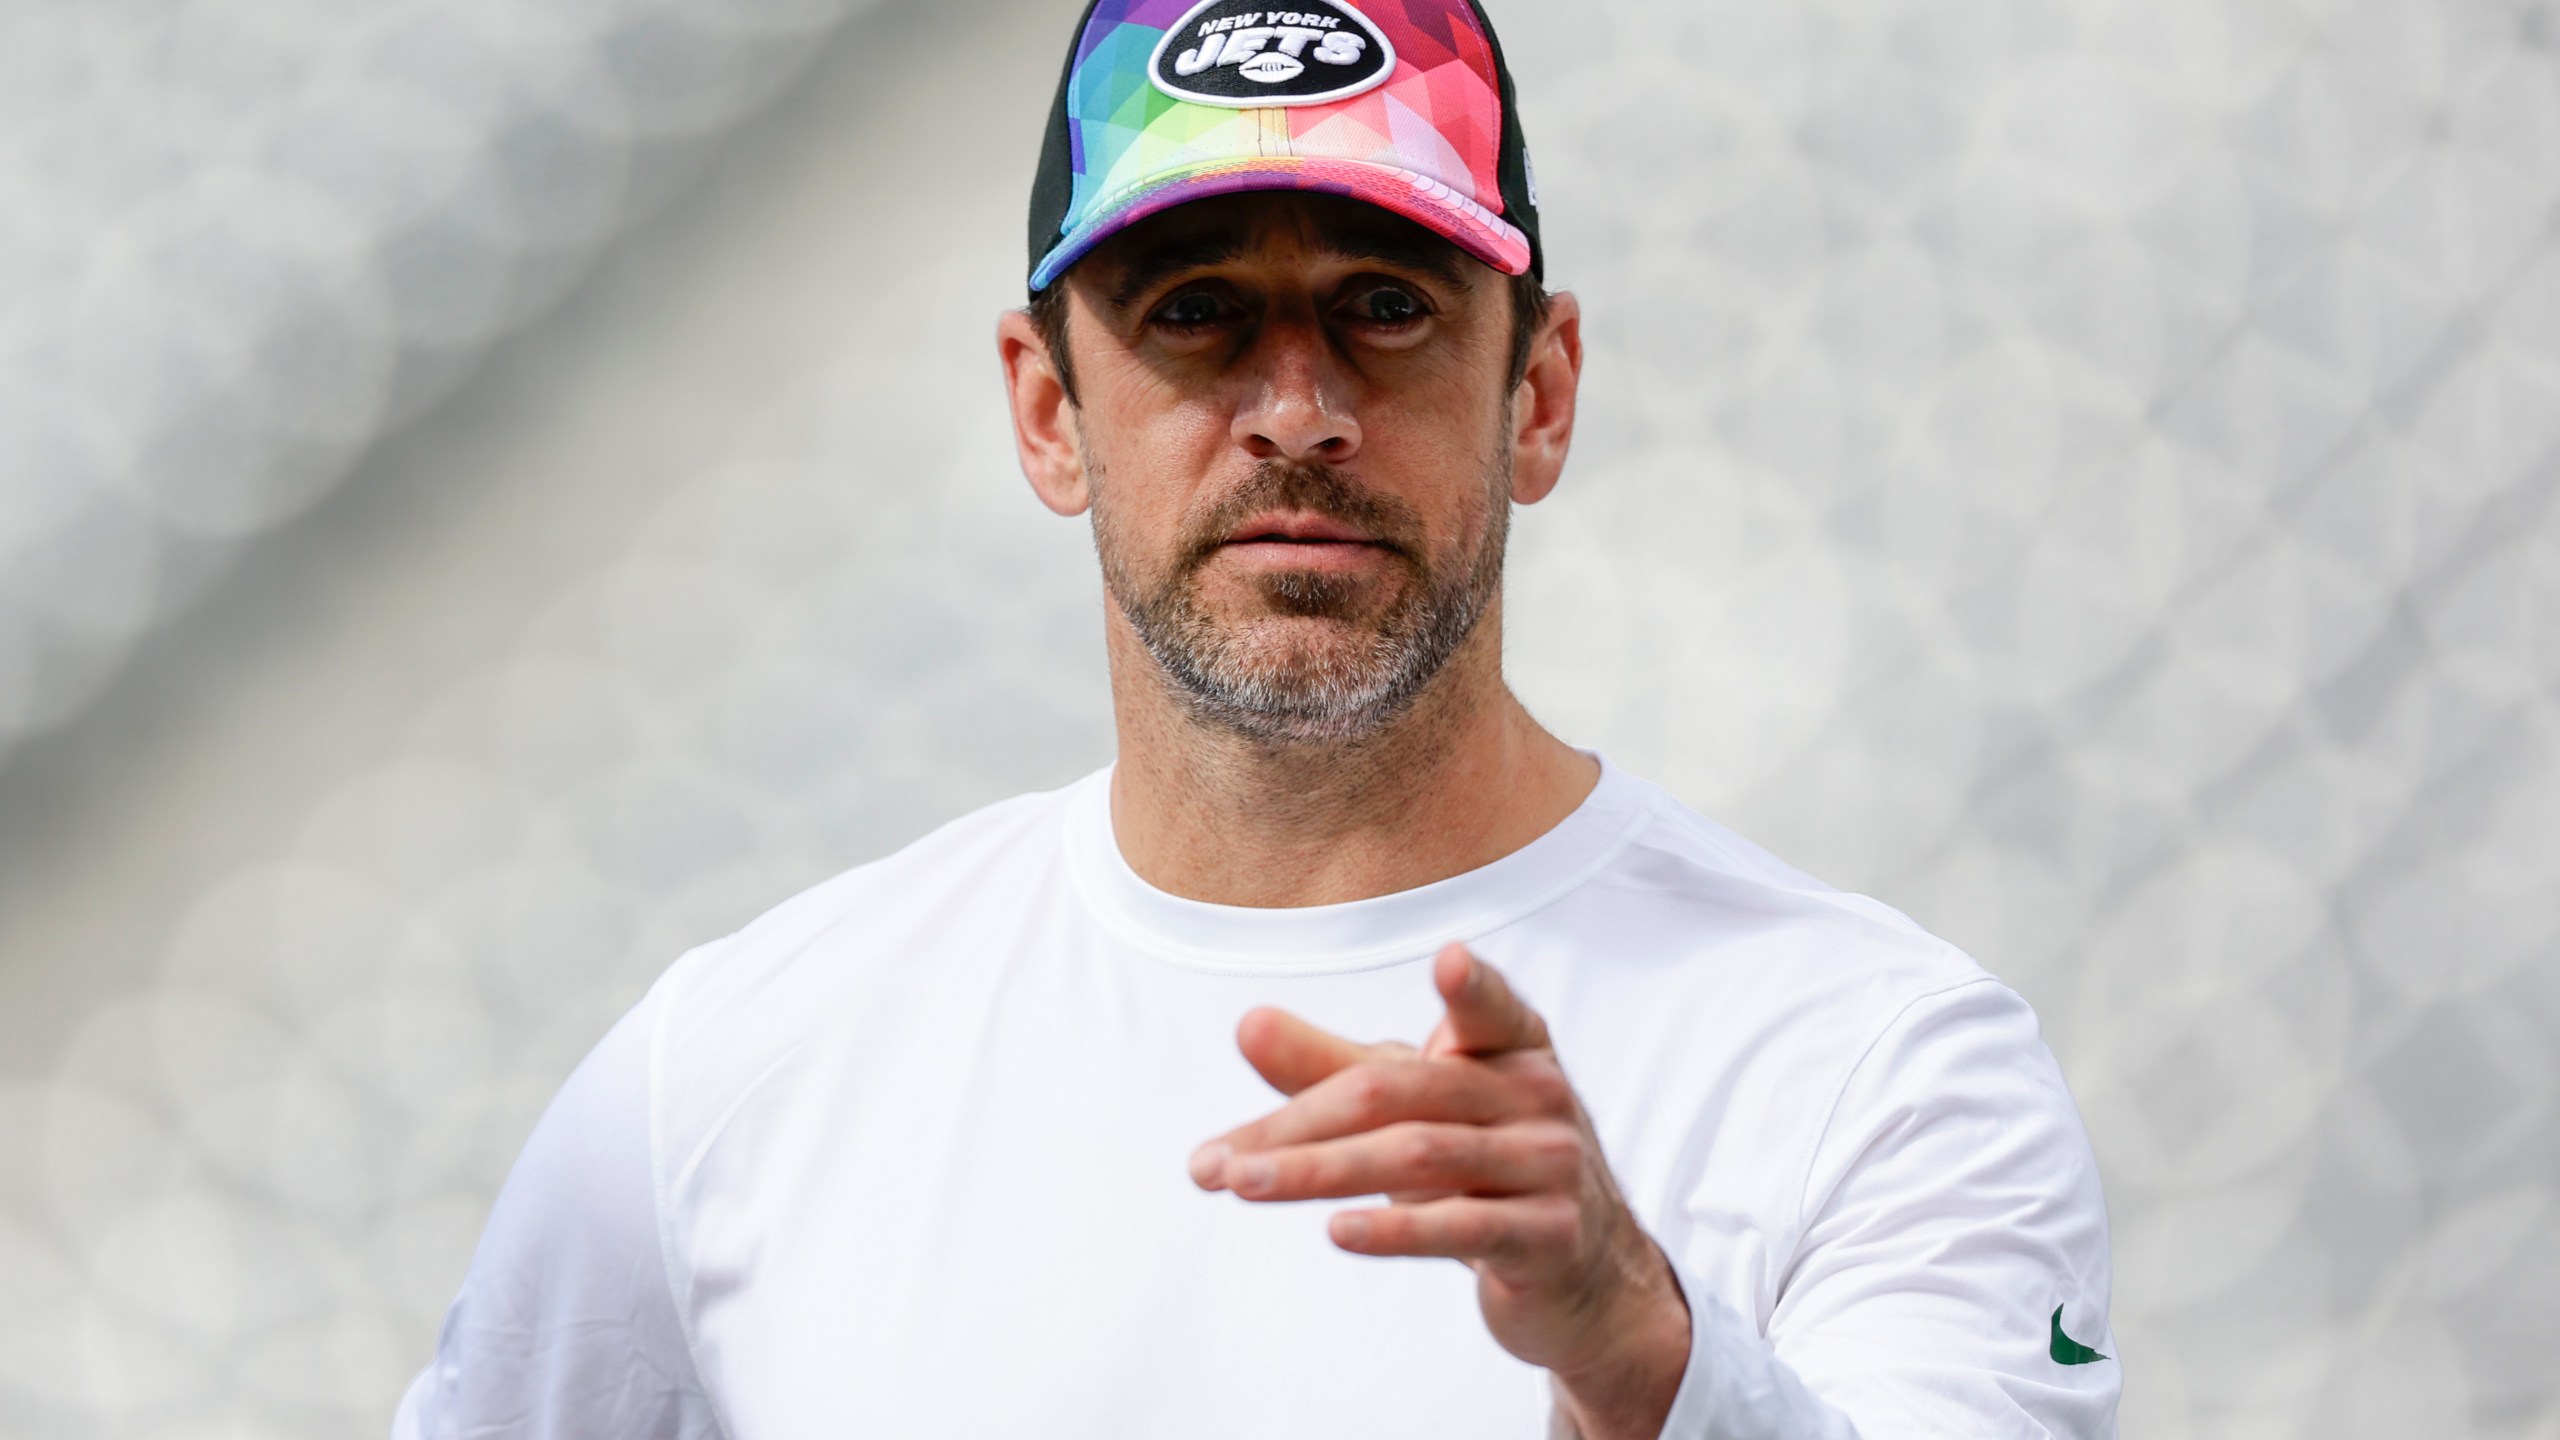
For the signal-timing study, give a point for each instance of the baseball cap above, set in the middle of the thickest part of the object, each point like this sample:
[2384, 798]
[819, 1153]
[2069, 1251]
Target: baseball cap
[1405, 104]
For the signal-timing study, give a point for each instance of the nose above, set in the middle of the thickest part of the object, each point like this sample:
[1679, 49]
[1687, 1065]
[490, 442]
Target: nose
[1298, 408]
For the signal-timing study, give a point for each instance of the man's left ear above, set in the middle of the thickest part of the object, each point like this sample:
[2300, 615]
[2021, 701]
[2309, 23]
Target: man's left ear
[1542, 408]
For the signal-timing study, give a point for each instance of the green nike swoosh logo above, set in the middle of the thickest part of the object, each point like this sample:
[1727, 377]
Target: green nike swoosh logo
[2067, 1351]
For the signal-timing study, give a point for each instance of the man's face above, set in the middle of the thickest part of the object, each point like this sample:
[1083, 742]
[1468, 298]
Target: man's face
[1295, 421]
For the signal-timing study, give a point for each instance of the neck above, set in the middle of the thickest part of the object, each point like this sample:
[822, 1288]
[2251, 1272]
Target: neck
[1462, 778]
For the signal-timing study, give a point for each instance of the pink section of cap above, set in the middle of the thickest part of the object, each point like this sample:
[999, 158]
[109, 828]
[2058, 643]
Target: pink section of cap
[1419, 198]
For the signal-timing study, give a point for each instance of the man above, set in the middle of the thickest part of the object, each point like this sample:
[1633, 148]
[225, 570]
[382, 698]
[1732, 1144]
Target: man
[956, 1144]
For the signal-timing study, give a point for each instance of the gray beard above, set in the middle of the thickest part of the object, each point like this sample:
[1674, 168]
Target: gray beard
[1294, 697]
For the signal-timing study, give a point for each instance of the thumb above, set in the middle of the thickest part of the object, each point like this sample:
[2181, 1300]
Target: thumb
[1485, 1016]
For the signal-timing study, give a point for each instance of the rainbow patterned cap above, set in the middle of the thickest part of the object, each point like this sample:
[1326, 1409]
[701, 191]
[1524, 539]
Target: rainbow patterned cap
[1405, 104]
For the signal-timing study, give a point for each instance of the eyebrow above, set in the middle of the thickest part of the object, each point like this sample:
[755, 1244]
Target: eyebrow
[1172, 257]
[1439, 260]
[1434, 257]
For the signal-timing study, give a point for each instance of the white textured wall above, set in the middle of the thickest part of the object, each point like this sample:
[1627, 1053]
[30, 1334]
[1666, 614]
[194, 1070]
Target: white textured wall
[2079, 470]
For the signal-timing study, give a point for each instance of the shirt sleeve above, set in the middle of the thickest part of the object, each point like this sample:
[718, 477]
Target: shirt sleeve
[566, 1327]
[1953, 1227]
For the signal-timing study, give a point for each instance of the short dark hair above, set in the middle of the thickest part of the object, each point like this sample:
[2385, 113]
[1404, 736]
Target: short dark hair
[1530, 303]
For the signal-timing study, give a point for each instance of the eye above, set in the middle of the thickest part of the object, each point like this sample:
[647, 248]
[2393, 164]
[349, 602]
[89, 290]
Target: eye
[1386, 305]
[1193, 309]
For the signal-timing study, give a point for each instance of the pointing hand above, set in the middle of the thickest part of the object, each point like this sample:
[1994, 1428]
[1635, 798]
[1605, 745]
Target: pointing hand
[1486, 1156]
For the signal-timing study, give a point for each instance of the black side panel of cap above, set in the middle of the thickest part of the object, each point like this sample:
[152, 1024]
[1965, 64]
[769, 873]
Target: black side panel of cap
[1511, 167]
[1053, 185]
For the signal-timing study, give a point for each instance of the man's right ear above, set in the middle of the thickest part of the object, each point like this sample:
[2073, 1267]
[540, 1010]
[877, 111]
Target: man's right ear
[1046, 430]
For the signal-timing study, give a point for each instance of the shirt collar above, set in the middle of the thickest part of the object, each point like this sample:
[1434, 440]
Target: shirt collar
[1356, 935]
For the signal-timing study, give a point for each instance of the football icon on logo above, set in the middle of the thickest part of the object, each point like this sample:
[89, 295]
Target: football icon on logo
[1271, 68]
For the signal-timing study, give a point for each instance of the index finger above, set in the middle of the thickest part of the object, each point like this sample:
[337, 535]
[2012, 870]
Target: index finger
[1289, 1052]
[1383, 1092]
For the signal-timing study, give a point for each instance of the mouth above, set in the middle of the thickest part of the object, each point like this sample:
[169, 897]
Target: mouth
[1301, 540]
[1297, 527]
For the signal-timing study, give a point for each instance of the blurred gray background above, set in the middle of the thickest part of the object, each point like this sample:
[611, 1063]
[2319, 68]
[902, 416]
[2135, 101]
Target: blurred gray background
[494, 492]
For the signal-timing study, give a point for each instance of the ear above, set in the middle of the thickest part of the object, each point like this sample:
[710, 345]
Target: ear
[1046, 435]
[1542, 408]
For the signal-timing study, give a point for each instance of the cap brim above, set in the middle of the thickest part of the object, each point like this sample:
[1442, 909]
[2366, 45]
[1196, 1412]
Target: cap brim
[1425, 201]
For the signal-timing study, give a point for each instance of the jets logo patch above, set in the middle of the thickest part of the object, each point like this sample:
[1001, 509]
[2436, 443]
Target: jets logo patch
[1243, 54]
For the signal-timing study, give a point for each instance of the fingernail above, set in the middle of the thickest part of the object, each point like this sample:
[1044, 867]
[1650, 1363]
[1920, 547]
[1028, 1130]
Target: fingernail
[1207, 1163]
[1351, 1228]
[1252, 1175]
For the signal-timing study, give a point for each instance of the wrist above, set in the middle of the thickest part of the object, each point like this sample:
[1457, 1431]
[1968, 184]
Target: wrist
[1624, 1389]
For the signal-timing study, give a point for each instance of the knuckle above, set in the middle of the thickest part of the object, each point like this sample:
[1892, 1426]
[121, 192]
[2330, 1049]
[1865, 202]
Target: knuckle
[1440, 1090]
[1366, 1091]
[1547, 1230]
[1547, 1089]
[1556, 1151]
[1428, 1150]
[1568, 1226]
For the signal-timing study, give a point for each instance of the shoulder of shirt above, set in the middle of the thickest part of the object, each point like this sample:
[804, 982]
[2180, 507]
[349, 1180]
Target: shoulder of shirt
[1853, 946]
[1831, 976]
[726, 1011]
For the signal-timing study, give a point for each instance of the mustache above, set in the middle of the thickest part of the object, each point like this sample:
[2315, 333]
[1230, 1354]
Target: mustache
[1314, 487]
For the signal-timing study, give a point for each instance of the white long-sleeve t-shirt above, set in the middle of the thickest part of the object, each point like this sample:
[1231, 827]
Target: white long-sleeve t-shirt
[907, 1157]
